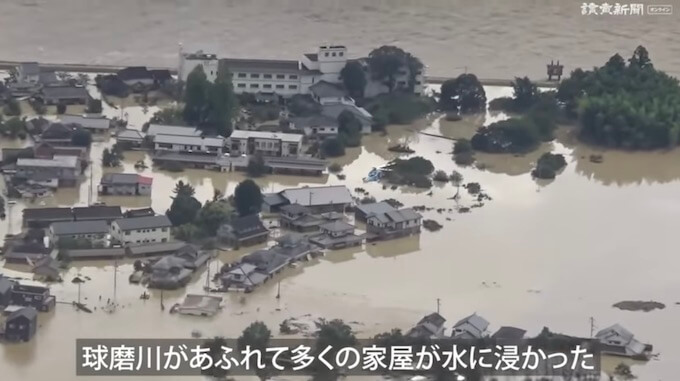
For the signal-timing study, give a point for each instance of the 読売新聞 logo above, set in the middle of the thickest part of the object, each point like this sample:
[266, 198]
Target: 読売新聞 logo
[659, 10]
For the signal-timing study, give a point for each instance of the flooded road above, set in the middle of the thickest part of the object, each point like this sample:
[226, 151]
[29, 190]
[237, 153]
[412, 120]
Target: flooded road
[539, 254]
[492, 38]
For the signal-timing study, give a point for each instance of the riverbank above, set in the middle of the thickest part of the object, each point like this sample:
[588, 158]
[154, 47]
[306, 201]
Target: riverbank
[96, 68]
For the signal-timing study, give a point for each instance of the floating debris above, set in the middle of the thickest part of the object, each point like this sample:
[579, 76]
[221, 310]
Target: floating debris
[432, 225]
[401, 148]
[594, 158]
[394, 203]
[637, 305]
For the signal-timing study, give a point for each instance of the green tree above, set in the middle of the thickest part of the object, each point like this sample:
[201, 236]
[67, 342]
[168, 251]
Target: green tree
[12, 107]
[353, 77]
[256, 166]
[456, 178]
[81, 138]
[333, 147]
[335, 334]
[387, 61]
[187, 232]
[525, 93]
[464, 94]
[247, 197]
[615, 64]
[94, 106]
[171, 115]
[182, 189]
[257, 337]
[61, 108]
[212, 215]
[221, 104]
[184, 207]
[195, 96]
[349, 129]
[216, 349]
[640, 58]
[14, 126]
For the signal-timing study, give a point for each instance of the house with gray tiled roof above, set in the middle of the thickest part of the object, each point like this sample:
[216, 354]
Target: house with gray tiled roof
[392, 224]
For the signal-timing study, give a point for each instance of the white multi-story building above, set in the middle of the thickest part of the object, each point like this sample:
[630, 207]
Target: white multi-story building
[286, 77]
[242, 142]
[189, 61]
[188, 144]
[141, 229]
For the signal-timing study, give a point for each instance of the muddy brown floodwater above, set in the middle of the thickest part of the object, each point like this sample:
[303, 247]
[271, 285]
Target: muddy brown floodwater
[540, 254]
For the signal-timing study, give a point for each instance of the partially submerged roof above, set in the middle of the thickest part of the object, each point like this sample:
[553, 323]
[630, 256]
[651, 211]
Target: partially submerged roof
[247, 225]
[56, 162]
[65, 92]
[29, 313]
[335, 109]
[129, 134]
[509, 333]
[395, 216]
[314, 121]
[47, 213]
[311, 196]
[134, 72]
[376, 207]
[151, 222]
[124, 178]
[80, 227]
[295, 209]
[273, 199]
[114, 252]
[474, 320]
[337, 226]
[99, 211]
[615, 330]
[98, 123]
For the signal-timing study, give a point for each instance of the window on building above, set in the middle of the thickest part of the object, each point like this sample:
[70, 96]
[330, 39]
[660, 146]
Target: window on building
[254, 86]
[267, 86]
[127, 233]
[241, 75]
[241, 85]
[164, 229]
[280, 86]
[333, 54]
[292, 87]
[267, 76]
[280, 76]
[254, 76]
[326, 54]
[341, 54]
[293, 76]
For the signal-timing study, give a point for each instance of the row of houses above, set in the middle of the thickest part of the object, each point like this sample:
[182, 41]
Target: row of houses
[614, 340]
[44, 86]
[259, 266]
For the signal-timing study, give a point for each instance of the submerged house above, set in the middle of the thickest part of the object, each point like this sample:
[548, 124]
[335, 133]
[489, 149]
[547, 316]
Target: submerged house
[25, 253]
[243, 231]
[37, 297]
[506, 333]
[362, 211]
[54, 95]
[170, 273]
[21, 324]
[125, 184]
[394, 224]
[300, 218]
[319, 199]
[129, 138]
[141, 229]
[94, 124]
[336, 235]
[470, 328]
[429, 327]
[255, 268]
[55, 172]
[294, 246]
[95, 231]
[618, 341]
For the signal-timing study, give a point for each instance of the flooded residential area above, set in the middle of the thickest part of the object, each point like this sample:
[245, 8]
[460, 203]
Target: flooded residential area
[491, 239]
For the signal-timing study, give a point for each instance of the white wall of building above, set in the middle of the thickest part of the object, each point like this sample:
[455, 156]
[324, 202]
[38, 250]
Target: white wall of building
[188, 62]
[140, 235]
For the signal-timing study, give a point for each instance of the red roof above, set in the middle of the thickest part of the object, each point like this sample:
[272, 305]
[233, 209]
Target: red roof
[145, 180]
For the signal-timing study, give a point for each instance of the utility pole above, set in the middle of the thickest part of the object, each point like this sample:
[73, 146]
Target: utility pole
[89, 191]
[162, 306]
[115, 281]
[278, 291]
[79, 283]
[592, 326]
[438, 304]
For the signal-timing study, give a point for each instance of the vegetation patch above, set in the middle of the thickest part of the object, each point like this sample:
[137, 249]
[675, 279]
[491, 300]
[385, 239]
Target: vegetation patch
[548, 165]
[414, 171]
[399, 108]
[432, 225]
[624, 105]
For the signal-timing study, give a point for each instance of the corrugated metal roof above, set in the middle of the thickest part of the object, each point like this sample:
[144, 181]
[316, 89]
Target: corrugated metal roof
[56, 162]
[80, 227]
[86, 122]
[157, 129]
